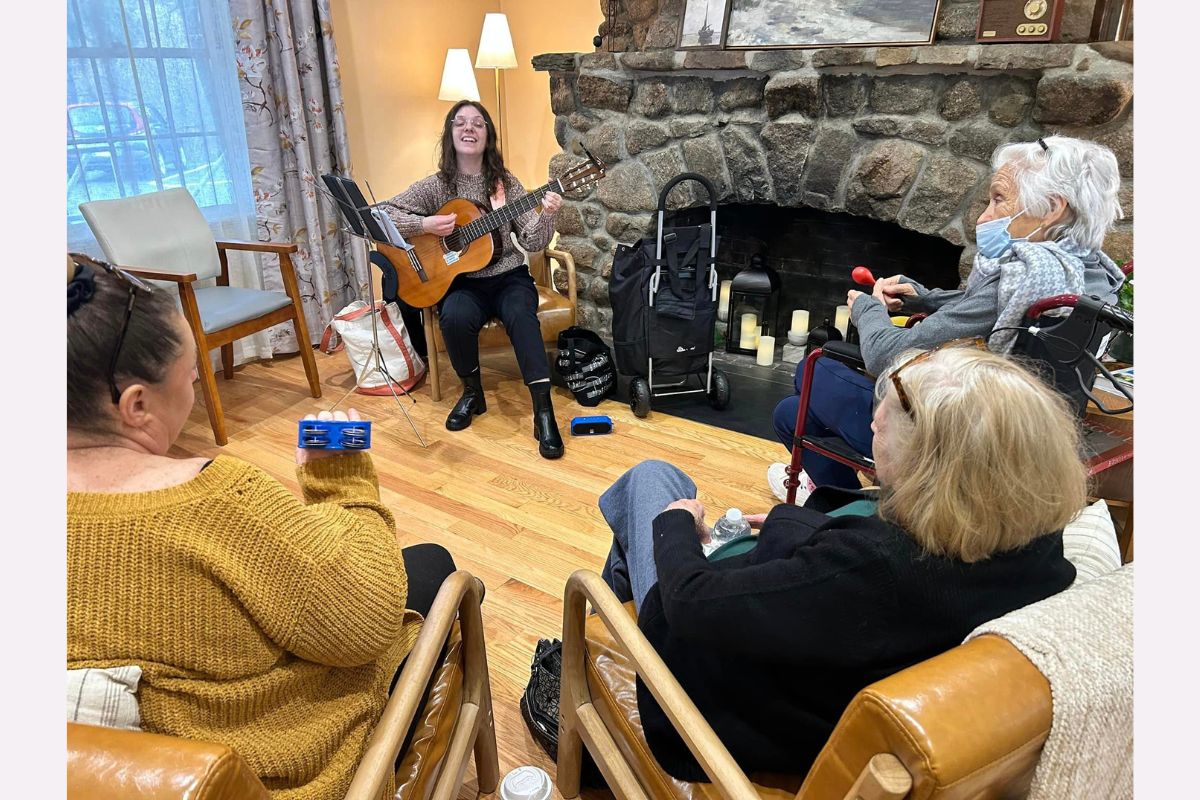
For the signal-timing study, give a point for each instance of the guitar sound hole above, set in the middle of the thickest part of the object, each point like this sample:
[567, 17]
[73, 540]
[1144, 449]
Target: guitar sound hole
[452, 242]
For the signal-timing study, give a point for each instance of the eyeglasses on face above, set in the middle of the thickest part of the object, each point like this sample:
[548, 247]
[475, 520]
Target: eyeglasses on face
[478, 123]
[135, 286]
[977, 342]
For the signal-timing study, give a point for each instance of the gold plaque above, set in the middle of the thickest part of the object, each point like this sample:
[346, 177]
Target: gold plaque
[1035, 9]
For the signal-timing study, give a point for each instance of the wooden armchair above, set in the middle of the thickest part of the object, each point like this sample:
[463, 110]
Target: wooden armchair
[163, 237]
[448, 658]
[555, 311]
[969, 723]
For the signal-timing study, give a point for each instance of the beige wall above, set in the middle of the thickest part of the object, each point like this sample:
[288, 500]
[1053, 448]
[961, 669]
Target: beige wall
[391, 54]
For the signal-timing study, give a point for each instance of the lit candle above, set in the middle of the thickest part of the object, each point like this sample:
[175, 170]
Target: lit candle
[766, 351]
[799, 321]
[841, 319]
[749, 333]
[723, 301]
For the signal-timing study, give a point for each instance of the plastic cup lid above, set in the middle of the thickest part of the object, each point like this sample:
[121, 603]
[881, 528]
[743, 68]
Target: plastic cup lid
[526, 783]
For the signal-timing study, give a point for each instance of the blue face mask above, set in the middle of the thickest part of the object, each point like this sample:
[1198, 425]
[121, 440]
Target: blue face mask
[992, 238]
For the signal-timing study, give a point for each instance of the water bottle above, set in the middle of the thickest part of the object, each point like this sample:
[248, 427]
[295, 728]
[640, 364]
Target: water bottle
[729, 527]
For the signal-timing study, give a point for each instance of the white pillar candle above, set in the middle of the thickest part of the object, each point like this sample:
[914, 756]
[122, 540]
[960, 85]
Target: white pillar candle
[766, 351]
[841, 319]
[723, 301]
[749, 332]
[799, 321]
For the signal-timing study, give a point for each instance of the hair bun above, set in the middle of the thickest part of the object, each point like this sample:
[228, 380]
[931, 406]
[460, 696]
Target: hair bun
[80, 288]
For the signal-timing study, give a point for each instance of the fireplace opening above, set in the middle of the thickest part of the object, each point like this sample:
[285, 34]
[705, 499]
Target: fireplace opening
[813, 251]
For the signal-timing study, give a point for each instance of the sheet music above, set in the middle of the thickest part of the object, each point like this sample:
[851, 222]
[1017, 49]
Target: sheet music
[389, 228]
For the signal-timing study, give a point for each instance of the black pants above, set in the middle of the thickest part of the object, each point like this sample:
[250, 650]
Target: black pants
[511, 297]
[427, 566]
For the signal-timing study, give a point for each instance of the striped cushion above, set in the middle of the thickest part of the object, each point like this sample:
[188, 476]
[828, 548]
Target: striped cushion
[1090, 543]
[105, 697]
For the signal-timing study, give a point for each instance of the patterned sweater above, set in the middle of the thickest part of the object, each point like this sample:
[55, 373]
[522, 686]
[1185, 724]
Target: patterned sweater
[426, 196]
[267, 624]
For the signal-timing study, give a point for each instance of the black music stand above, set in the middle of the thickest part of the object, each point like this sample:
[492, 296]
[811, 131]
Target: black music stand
[363, 225]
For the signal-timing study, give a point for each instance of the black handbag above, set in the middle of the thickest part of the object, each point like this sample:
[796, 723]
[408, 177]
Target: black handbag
[539, 703]
[586, 365]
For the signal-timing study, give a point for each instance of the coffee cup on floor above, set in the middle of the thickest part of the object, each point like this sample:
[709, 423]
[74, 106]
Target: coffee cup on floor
[526, 783]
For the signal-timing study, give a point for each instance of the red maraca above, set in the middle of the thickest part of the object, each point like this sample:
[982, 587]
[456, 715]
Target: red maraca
[862, 276]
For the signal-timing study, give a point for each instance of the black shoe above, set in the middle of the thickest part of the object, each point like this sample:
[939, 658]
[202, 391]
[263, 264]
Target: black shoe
[470, 404]
[545, 428]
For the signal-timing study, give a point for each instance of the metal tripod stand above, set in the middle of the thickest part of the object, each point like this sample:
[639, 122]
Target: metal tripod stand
[375, 363]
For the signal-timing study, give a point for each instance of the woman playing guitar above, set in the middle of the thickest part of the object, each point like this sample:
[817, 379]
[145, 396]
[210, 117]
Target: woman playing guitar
[472, 167]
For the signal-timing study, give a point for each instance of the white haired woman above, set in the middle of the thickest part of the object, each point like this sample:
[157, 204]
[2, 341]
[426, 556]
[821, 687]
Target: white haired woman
[1051, 203]
[979, 470]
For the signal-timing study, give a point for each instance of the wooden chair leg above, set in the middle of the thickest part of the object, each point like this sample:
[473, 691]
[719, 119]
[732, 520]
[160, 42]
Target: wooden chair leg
[435, 383]
[208, 380]
[487, 762]
[227, 361]
[288, 273]
[570, 756]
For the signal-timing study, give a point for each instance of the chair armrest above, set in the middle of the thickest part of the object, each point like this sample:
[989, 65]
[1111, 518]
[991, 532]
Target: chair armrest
[845, 352]
[460, 597]
[727, 777]
[567, 260]
[153, 275]
[258, 247]
[112, 764]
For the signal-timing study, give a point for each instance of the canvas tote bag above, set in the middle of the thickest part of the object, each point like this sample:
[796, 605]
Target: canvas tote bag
[351, 329]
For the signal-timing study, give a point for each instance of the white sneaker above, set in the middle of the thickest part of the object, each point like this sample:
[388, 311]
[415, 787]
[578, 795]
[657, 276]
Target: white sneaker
[777, 474]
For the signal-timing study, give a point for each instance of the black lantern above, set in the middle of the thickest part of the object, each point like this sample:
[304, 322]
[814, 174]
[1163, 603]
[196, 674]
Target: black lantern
[755, 290]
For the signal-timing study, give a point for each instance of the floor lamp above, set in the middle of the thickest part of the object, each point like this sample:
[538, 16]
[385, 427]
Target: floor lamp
[496, 53]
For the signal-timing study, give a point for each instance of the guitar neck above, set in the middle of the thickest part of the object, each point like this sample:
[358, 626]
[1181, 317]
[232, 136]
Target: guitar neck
[506, 213]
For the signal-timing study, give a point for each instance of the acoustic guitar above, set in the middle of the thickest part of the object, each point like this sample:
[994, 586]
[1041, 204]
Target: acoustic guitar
[425, 270]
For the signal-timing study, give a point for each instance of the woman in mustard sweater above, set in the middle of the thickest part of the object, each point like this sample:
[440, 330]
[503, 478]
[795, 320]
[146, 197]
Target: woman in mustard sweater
[267, 623]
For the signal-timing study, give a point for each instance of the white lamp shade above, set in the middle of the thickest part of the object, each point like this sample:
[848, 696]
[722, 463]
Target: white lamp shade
[458, 78]
[495, 44]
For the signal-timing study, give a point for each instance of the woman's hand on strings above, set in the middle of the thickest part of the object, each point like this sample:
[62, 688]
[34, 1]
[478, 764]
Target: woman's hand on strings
[439, 224]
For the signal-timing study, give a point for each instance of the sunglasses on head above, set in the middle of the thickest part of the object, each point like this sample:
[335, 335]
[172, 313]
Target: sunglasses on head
[977, 342]
[136, 286]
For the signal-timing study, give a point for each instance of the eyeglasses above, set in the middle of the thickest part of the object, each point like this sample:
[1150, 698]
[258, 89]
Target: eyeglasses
[479, 123]
[978, 342]
[135, 285]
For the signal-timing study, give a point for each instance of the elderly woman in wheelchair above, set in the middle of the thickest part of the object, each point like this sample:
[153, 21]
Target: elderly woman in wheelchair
[1051, 203]
[772, 644]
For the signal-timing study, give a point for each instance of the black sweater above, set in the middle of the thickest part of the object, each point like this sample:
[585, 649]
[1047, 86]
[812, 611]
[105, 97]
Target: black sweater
[772, 645]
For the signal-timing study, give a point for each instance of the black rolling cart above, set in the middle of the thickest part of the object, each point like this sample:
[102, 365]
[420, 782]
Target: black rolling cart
[663, 294]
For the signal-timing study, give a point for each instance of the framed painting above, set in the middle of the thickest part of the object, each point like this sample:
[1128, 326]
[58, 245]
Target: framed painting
[757, 24]
[703, 24]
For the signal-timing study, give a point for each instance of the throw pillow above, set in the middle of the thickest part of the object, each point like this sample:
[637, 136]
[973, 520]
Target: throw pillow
[105, 697]
[1090, 542]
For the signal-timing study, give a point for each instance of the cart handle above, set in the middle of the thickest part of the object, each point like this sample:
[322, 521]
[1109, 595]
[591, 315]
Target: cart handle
[688, 176]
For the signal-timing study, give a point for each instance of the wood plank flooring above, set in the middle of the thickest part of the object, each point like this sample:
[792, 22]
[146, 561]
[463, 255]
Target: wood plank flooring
[519, 522]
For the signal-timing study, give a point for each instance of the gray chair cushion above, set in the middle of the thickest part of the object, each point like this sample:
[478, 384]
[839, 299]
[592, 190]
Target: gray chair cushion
[223, 307]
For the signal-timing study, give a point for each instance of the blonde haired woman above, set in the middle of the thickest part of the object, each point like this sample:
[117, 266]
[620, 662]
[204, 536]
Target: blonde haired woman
[979, 470]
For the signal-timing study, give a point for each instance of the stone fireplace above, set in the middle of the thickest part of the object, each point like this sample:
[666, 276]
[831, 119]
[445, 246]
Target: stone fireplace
[883, 137]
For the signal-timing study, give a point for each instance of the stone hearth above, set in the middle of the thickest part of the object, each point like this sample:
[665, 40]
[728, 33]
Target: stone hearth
[903, 135]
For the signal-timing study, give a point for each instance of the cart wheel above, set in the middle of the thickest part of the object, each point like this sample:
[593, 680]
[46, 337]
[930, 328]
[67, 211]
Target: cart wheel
[718, 396]
[639, 397]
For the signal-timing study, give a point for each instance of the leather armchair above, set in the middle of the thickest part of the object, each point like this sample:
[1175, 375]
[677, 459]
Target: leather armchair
[969, 723]
[556, 312]
[448, 658]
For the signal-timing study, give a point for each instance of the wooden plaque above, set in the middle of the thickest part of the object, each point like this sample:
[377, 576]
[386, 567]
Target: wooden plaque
[1019, 20]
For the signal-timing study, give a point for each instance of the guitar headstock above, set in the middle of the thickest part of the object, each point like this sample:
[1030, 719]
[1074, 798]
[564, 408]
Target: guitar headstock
[582, 176]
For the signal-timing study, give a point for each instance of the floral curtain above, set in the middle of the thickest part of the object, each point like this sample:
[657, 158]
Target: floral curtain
[292, 102]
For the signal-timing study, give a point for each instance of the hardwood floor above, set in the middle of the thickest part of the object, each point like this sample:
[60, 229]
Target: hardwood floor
[520, 523]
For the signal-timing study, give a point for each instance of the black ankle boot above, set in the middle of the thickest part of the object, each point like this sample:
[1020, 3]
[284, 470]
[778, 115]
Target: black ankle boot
[470, 404]
[545, 429]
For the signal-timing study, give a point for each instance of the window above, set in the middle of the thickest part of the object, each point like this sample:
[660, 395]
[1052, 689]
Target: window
[153, 103]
